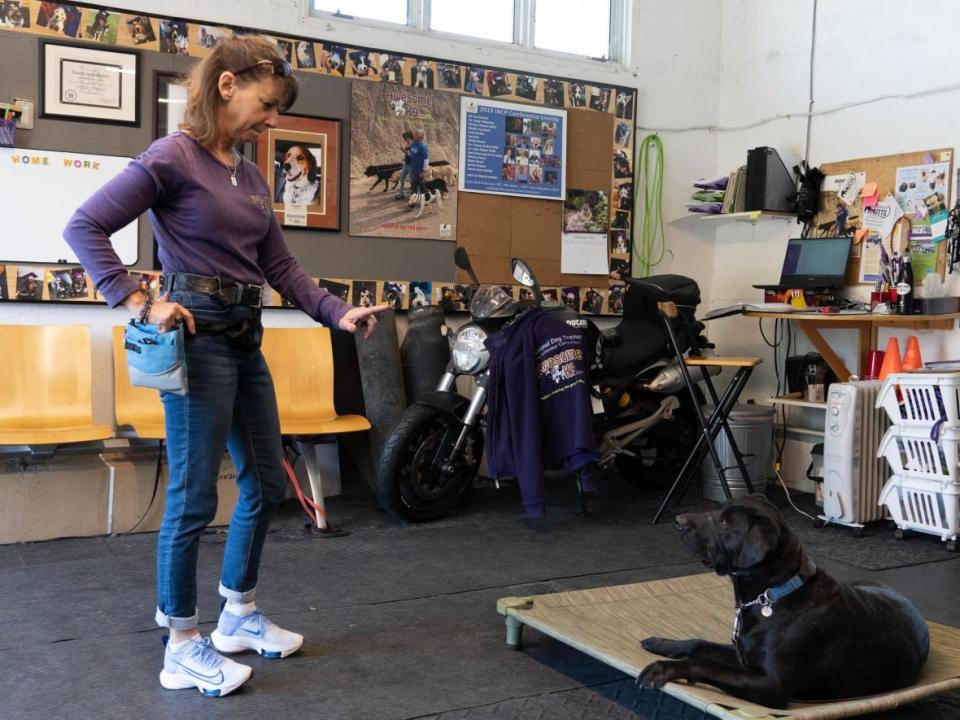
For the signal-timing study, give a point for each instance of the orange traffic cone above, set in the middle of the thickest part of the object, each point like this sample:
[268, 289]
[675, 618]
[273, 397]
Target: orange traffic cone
[891, 359]
[911, 358]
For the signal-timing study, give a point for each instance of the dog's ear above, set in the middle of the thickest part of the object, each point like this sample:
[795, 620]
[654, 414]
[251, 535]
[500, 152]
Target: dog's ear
[762, 536]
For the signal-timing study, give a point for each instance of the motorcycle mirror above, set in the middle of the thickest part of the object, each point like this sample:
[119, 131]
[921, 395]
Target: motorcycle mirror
[522, 273]
[462, 260]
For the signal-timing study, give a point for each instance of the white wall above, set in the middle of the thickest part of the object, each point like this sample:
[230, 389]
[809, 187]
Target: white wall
[765, 51]
[863, 50]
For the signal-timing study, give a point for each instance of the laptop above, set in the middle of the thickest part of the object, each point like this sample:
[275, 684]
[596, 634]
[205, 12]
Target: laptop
[814, 263]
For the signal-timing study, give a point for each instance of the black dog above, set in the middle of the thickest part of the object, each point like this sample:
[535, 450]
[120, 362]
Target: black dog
[799, 634]
[383, 173]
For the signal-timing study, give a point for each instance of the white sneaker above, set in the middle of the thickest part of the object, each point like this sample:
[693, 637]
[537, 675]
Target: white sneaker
[198, 665]
[254, 632]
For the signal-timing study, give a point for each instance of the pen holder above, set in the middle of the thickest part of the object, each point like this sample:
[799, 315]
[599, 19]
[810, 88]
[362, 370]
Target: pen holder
[8, 133]
[880, 302]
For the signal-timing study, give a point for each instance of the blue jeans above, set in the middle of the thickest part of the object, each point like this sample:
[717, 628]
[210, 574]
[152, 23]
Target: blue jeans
[404, 174]
[230, 404]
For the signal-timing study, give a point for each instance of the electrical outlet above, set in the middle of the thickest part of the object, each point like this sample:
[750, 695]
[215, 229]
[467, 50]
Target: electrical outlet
[25, 108]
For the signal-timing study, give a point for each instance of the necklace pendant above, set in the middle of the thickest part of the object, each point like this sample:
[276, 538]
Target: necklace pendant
[766, 611]
[233, 181]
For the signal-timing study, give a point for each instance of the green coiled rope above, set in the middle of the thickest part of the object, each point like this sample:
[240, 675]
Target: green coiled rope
[650, 249]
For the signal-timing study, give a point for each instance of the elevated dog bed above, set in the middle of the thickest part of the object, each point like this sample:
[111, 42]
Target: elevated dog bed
[608, 624]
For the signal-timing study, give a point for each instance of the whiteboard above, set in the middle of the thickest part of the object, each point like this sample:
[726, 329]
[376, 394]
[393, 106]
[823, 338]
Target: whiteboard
[40, 190]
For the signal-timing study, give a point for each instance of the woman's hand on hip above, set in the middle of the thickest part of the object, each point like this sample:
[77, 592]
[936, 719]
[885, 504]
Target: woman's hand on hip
[362, 318]
[167, 315]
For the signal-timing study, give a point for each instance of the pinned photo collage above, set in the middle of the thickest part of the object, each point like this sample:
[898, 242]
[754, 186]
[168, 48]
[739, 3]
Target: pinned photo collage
[176, 36]
[530, 151]
[69, 283]
[584, 300]
[621, 201]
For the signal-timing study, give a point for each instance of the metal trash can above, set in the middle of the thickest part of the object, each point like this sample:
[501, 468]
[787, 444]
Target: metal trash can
[752, 428]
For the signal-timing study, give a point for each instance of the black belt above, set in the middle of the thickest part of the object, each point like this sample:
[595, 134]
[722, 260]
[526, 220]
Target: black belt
[225, 289]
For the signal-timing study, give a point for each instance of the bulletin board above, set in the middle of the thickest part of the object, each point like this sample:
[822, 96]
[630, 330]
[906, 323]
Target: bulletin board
[883, 171]
[494, 229]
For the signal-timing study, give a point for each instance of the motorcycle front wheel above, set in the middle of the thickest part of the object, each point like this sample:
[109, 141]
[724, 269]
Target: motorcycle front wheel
[410, 483]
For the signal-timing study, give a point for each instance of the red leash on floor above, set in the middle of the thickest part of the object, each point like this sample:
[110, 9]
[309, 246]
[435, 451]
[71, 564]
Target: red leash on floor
[316, 513]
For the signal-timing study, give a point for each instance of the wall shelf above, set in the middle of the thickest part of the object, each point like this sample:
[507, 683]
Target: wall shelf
[797, 402]
[751, 216]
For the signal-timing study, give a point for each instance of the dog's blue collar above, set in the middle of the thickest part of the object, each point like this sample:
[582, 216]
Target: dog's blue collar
[769, 596]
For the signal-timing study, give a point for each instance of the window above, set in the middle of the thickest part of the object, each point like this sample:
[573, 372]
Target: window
[494, 21]
[394, 11]
[573, 26]
[598, 29]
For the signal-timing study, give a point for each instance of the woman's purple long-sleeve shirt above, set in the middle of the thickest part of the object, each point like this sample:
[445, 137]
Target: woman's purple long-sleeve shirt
[203, 225]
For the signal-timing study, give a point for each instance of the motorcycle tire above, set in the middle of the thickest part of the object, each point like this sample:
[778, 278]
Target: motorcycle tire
[409, 486]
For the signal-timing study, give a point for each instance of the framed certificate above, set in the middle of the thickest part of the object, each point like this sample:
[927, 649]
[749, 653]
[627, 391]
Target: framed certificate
[89, 84]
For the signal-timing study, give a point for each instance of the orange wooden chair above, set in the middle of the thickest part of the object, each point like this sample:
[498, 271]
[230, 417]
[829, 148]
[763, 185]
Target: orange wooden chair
[46, 391]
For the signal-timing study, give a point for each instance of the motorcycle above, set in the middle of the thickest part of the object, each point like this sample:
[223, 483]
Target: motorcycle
[644, 419]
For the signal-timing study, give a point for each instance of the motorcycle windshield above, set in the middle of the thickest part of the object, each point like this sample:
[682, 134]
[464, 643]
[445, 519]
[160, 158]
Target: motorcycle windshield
[491, 301]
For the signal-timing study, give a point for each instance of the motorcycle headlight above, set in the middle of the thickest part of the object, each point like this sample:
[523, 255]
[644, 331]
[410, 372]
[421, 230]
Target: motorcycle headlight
[468, 353]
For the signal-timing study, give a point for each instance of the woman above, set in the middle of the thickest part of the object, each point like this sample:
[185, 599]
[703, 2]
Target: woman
[218, 242]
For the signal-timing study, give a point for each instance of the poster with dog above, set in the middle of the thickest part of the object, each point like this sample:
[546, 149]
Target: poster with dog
[67, 284]
[512, 149]
[101, 26]
[14, 14]
[29, 283]
[421, 293]
[300, 158]
[394, 293]
[59, 18]
[403, 162]
[139, 30]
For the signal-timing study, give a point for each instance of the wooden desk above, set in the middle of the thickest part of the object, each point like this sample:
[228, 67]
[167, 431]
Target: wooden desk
[867, 327]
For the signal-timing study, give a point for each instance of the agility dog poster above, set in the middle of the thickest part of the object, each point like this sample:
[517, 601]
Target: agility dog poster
[300, 158]
[512, 149]
[392, 128]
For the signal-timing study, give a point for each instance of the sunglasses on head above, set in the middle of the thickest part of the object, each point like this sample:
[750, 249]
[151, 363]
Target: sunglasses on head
[278, 66]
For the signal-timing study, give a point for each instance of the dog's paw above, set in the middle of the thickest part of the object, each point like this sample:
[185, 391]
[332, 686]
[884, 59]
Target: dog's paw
[658, 674]
[667, 648]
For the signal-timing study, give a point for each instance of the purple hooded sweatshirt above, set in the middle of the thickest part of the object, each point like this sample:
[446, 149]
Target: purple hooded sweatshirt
[203, 225]
[538, 408]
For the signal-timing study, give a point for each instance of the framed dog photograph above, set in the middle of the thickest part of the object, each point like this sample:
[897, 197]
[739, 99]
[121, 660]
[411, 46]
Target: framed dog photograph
[300, 158]
[90, 84]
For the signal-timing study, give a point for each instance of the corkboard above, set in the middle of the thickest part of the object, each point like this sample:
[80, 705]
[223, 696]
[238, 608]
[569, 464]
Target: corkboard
[883, 171]
[495, 228]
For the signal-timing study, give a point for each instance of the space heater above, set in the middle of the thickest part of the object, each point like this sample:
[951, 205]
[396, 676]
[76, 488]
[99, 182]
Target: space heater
[853, 475]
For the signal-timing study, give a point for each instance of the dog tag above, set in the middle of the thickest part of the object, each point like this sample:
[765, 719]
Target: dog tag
[233, 181]
[766, 611]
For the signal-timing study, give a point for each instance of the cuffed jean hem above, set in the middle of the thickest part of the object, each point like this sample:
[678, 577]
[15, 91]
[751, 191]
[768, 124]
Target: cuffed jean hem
[176, 623]
[236, 595]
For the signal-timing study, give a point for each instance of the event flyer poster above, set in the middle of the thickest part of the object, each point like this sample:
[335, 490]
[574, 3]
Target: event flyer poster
[512, 149]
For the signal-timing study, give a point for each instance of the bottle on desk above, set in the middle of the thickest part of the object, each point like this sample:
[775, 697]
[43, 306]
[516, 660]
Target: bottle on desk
[905, 287]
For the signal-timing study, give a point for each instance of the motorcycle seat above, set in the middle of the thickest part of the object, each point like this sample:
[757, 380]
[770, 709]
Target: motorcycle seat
[642, 342]
[611, 337]
[667, 288]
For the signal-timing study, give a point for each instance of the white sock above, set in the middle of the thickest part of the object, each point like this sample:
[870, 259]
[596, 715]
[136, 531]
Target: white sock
[178, 646]
[240, 609]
